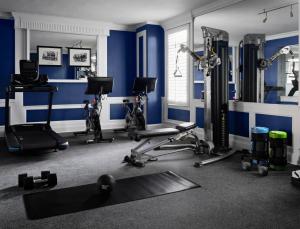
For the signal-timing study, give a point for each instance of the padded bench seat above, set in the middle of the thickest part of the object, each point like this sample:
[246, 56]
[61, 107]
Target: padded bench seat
[138, 135]
[186, 126]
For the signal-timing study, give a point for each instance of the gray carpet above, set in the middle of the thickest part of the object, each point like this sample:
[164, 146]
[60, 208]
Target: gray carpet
[229, 198]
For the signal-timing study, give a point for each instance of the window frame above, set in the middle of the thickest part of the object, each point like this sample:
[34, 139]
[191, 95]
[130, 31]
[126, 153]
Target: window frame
[168, 32]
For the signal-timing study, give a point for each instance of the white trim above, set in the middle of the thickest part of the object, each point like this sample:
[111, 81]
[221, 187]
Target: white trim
[102, 55]
[59, 24]
[27, 31]
[54, 107]
[289, 99]
[213, 6]
[177, 21]
[282, 35]
[67, 80]
[144, 35]
[2, 102]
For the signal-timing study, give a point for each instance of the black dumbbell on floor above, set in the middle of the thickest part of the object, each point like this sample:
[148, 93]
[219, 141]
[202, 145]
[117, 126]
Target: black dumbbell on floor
[29, 182]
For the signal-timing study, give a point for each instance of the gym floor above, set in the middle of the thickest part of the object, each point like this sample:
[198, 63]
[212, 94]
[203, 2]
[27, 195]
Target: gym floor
[228, 198]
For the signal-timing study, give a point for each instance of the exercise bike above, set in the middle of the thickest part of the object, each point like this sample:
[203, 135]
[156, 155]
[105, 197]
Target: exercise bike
[134, 118]
[97, 86]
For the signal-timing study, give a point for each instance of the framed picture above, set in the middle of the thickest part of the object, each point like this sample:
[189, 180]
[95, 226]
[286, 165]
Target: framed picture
[80, 57]
[49, 56]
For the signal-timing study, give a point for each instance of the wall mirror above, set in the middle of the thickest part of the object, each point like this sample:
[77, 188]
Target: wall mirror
[278, 22]
[52, 49]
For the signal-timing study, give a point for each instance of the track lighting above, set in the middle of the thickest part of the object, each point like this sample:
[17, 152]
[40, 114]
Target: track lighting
[291, 13]
[266, 18]
[265, 12]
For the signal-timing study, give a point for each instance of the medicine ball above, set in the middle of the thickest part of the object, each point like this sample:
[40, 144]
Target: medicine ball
[105, 184]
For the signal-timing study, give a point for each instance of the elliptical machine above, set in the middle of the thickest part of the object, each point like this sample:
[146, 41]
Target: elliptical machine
[97, 86]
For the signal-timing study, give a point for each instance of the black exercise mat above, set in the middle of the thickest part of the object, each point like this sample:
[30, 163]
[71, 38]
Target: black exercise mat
[74, 199]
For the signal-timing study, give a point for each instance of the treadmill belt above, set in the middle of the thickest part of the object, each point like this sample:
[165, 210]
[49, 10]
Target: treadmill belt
[36, 139]
[74, 199]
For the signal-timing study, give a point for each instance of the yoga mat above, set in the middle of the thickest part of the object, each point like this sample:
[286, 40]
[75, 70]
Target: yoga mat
[74, 199]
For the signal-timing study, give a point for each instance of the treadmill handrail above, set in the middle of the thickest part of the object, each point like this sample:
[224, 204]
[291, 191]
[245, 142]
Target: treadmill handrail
[20, 88]
[24, 88]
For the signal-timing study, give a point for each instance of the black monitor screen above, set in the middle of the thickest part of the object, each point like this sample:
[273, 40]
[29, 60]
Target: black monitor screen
[28, 66]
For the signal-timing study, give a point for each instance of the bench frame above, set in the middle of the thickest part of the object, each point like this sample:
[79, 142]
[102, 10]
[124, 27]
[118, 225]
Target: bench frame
[140, 154]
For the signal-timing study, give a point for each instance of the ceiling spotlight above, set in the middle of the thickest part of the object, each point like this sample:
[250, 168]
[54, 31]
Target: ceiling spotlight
[266, 18]
[291, 13]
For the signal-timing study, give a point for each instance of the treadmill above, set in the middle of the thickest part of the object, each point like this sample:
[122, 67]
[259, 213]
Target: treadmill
[31, 137]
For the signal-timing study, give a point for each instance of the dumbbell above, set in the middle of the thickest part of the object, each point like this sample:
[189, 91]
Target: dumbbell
[246, 163]
[262, 170]
[29, 182]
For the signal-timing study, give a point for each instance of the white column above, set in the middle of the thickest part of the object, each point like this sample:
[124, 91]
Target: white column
[27, 44]
[18, 113]
[101, 55]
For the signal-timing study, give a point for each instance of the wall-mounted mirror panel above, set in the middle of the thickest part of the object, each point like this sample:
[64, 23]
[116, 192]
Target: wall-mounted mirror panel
[264, 65]
[57, 63]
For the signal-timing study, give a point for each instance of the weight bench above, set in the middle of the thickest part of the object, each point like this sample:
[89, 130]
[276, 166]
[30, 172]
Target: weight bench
[139, 156]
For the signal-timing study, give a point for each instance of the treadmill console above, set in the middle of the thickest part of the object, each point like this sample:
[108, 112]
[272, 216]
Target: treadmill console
[29, 74]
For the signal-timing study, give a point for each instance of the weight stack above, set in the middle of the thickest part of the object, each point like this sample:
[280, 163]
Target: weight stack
[260, 143]
[278, 150]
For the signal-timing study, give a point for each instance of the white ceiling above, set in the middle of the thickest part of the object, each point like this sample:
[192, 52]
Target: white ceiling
[125, 12]
[243, 18]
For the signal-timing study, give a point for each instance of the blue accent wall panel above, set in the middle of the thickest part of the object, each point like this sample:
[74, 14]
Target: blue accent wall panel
[180, 115]
[231, 91]
[7, 53]
[57, 72]
[68, 93]
[121, 61]
[117, 111]
[271, 47]
[198, 88]
[198, 74]
[200, 117]
[141, 56]
[276, 123]
[57, 115]
[155, 68]
[238, 123]
[2, 116]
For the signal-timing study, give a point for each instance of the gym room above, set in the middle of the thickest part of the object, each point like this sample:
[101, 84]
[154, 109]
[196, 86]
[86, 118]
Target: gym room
[149, 114]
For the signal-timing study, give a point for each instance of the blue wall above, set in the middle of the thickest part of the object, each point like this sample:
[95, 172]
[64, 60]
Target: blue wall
[117, 111]
[56, 115]
[238, 123]
[271, 73]
[200, 117]
[155, 68]
[7, 54]
[68, 93]
[180, 115]
[57, 72]
[121, 60]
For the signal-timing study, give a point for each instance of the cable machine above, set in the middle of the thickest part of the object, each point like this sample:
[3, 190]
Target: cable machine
[253, 66]
[216, 69]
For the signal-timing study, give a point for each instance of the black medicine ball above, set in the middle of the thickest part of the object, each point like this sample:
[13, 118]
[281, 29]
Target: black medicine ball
[106, 183]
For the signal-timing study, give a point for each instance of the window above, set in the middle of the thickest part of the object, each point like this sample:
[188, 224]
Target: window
[177, 86]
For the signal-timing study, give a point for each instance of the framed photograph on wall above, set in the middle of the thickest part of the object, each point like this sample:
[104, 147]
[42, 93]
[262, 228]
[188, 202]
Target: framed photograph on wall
[80, 57]
[49, 55]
